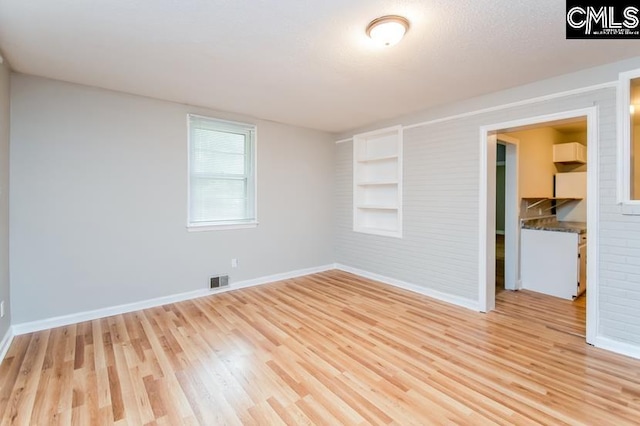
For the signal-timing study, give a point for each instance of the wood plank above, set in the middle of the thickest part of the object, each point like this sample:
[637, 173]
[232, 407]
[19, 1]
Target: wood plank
[327, 348]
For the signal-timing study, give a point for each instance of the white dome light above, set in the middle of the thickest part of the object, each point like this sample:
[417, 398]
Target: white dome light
[387, 30]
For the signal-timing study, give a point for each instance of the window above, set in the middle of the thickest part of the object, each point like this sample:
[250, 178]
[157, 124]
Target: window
[222, 187]
[629, 141]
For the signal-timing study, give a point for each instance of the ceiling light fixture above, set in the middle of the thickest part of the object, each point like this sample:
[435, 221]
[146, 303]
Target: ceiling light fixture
[388, 30]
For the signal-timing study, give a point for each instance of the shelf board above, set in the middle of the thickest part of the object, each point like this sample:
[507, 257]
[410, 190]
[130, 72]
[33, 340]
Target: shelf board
[374, 159]
[376, 207]
[377, 183]
[379, 231]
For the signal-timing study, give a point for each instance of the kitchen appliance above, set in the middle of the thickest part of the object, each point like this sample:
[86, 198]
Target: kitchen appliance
[554, 262]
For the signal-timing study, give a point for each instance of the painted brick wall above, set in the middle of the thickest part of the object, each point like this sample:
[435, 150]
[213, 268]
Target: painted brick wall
[439, 250]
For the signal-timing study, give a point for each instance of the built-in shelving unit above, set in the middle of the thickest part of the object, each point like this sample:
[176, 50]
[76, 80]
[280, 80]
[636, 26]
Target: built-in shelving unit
[377, 182]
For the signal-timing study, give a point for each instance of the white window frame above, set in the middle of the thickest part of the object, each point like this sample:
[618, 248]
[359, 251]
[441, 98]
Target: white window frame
[236, 127]
[629, 205]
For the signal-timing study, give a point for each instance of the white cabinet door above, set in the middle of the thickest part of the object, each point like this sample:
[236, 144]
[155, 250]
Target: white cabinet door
[549, 262]
[571, 185]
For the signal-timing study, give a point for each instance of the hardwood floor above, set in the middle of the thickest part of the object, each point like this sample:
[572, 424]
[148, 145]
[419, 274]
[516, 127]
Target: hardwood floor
[552, 312]
[329, 348]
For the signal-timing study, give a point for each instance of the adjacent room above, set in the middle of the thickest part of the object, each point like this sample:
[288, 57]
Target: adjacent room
[363, 212]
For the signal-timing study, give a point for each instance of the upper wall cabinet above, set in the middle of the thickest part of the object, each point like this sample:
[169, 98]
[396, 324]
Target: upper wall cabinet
[377, 182]
[570, 153]
[629, 140]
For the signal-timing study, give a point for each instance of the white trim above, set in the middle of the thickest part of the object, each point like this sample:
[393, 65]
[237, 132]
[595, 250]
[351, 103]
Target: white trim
[482, 222]
[344, 140]
[499, 232]
[444, 297]
[512, 212]
[622, 348]
[230, 123]
[221, 227]
[591, 113]
[593, 224]
[282, 276]
[487, 223]
[251, 129]
[45, 324]
[527, 101]
[629, 206]
[6, 343]
[376, 132]
[519, 103]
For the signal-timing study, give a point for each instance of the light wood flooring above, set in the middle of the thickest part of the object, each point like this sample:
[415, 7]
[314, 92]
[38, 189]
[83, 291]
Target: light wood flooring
[329, 348]
[555, 313]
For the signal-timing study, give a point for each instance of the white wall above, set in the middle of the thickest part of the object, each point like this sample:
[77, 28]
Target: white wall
[99, 196]
[4, 197]
[439, 250]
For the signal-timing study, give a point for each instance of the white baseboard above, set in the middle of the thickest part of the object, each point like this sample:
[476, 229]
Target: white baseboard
[606, 343]
[280, 277]
[5, 343]
[622, 348]
[45, 324]
[444, 297]
[499, 232]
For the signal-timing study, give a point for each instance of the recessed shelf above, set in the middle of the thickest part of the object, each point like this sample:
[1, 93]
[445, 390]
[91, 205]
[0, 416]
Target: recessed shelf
[377, 182]
[380, 231]
[380, 158]
[377, 207]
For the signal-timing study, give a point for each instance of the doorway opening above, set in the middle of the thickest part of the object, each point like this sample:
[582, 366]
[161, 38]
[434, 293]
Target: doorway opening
[507, 237]
[500, 213]
[535, 201]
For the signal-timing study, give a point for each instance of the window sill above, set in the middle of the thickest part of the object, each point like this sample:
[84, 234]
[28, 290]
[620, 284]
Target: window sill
[631, 208]
[221, 227]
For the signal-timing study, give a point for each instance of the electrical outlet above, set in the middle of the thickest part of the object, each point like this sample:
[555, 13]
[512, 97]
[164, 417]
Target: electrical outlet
[2, 309]
[234, 263]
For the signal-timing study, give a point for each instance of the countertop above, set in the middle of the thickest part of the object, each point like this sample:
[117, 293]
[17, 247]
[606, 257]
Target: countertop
[554, 225]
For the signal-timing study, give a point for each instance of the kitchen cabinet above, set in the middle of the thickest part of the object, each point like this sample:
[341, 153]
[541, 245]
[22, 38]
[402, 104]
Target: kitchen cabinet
[571, 185]
[570, 153]
[554, 262]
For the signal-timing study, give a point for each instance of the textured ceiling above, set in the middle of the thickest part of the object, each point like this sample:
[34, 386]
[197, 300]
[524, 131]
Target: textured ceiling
[307, 63]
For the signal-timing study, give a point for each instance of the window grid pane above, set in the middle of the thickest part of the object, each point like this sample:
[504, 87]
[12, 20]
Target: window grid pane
[221, 180]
